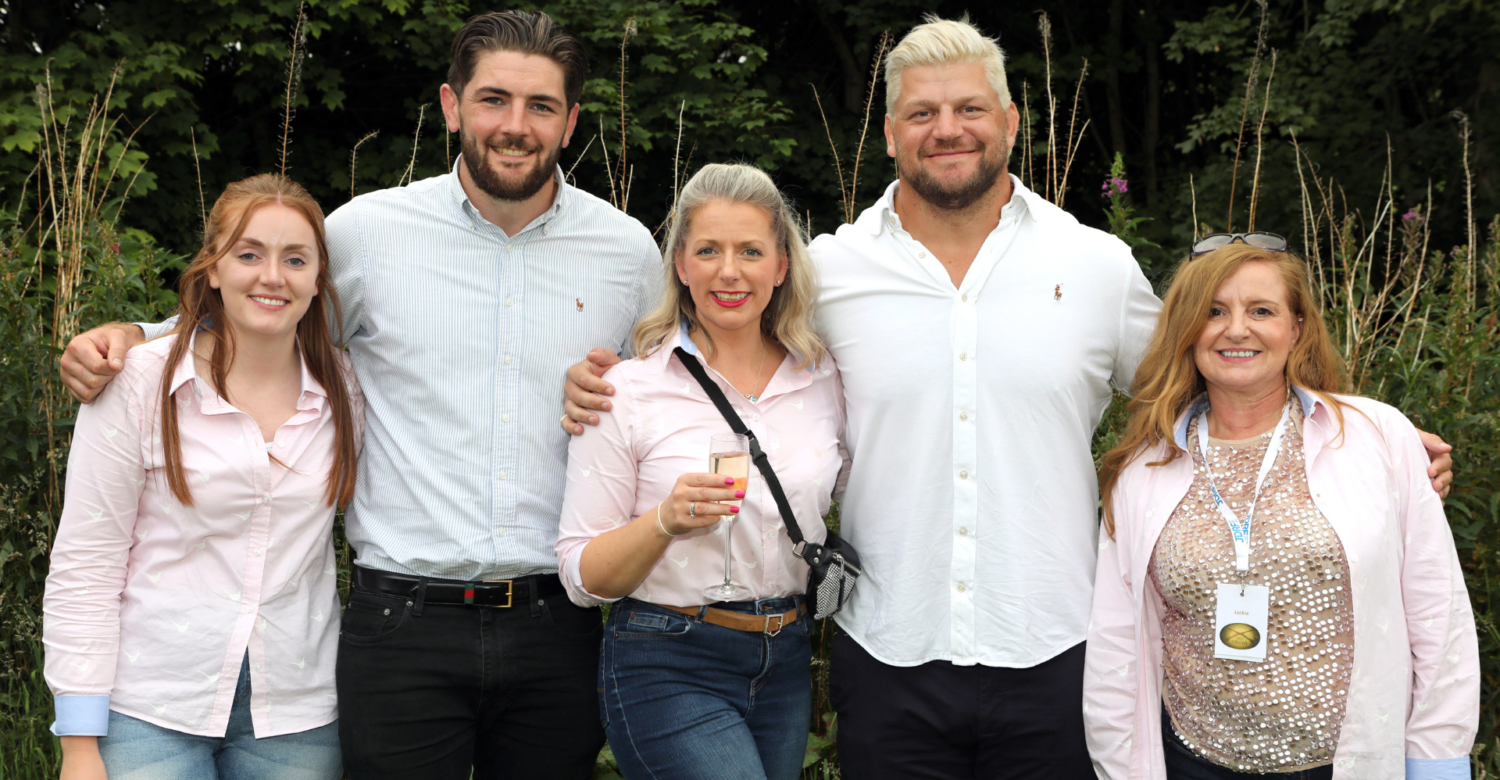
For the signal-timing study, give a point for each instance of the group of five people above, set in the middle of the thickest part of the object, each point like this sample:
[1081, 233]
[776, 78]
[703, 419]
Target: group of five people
[1274, 590]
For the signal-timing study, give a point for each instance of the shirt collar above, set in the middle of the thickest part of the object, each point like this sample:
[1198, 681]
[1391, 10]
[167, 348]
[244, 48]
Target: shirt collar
[211, 402]
[1020, 204]
[686, 342]
[1310, 405]
[461, 198]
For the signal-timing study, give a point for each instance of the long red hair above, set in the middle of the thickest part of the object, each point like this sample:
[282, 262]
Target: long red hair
[201, 306]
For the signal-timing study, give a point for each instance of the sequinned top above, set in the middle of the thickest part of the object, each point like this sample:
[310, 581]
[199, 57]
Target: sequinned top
[1282, 714]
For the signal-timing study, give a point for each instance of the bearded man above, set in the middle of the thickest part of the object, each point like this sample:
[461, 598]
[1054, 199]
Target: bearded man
[464, 298]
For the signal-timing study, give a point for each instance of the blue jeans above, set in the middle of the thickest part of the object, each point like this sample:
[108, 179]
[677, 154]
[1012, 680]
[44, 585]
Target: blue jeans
[687, 700]
[137, 750]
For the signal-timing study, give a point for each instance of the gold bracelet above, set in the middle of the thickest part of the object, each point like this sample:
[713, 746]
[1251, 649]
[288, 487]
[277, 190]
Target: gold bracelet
[663, 528]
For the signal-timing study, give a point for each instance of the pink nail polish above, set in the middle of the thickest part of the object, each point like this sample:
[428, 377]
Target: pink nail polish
[734, 509]
[739, 494]
[729, 480]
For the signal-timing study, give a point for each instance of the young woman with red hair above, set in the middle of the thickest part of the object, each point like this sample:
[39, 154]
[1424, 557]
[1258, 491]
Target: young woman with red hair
[190, 612]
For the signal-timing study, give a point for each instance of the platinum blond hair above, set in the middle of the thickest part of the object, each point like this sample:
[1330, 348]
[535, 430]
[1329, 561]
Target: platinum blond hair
[787, 319]
[945, 42]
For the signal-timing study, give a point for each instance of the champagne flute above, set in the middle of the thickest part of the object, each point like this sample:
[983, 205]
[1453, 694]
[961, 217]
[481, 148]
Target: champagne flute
[729, 454]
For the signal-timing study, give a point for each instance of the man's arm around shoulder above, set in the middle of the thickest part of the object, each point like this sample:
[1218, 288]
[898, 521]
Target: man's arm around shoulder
[94, 357]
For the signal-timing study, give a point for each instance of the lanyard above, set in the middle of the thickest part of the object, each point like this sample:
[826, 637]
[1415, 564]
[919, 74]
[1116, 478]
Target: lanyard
[1239, 529]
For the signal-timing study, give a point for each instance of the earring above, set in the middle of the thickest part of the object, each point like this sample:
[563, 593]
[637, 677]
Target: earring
[779, 281]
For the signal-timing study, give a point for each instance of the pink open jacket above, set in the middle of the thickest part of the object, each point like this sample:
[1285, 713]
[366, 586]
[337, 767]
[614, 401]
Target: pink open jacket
[1413, 705]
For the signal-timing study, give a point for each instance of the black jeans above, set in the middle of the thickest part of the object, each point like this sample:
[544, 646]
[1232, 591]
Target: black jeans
[1184, 764]
[952, 722]
[436, 691]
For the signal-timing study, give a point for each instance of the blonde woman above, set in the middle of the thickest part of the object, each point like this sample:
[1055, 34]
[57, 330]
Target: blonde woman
[1278, 593]
[691, 687]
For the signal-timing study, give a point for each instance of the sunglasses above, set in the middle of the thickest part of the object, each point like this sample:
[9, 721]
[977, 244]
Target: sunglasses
[1259, 239]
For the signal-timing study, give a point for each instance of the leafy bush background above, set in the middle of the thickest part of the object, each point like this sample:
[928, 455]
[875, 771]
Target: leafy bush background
[1354, 151]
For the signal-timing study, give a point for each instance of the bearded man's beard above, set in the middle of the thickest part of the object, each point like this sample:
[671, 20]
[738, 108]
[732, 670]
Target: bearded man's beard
[964, 194]
[488, 180]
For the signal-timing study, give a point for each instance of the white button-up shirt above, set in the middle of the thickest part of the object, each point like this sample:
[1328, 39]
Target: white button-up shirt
[972, 497]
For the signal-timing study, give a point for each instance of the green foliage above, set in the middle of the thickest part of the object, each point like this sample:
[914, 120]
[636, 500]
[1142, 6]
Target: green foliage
[120, 281]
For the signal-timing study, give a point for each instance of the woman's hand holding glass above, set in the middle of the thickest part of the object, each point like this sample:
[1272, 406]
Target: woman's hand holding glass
[698, 501]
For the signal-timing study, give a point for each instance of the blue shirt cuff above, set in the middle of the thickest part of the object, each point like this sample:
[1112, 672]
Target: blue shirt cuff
[81, 716]
[1438, 768]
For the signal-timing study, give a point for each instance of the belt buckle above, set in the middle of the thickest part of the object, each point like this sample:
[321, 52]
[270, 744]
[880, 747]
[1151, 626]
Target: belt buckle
[510, 593]
[780, 624]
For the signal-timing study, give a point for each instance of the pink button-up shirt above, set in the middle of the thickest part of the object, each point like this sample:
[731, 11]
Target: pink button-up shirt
[154, 604]
[1413, 705]
[659, 429]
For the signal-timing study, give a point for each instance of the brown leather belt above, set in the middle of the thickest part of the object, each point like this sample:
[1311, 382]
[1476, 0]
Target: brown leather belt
[741, 621]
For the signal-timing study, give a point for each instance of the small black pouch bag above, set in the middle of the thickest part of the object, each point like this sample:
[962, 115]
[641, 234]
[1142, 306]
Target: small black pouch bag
[833, 565]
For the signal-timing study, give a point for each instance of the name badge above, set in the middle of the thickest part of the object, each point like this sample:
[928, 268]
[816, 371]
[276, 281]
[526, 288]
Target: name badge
[1240, 627]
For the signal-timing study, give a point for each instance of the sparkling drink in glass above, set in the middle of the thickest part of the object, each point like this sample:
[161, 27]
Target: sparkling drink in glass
[729, 454]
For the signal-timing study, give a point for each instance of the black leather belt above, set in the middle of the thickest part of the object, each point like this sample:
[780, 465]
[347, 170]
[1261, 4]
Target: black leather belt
[486, 593]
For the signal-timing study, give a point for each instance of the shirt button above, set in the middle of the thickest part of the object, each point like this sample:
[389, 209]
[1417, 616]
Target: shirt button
[961, 587]
[256, 553]
[507, 247]
[502, 476]
[756, 418]
[964, 416]
[507, 360]
[964, 297]
[505, 418]
[249, 609]
[260, 667]
[510, 302]
[921, 254]
[963, 532]
[963, 356]
[963, 475]
[266, 499]
[280, 445]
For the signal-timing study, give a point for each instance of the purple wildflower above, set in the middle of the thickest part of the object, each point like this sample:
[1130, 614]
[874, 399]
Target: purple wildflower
[1412, 216]
[1114, 186]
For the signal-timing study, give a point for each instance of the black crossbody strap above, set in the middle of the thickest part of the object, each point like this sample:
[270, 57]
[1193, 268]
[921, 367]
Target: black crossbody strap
[762, 460]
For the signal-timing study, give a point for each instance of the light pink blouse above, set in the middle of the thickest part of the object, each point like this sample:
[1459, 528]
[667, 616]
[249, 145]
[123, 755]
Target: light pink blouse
[1413, 696]
[659, 429]
[154, 604]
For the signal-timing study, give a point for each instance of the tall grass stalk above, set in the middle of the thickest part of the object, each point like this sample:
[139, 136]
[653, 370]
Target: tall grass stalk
[63, 260]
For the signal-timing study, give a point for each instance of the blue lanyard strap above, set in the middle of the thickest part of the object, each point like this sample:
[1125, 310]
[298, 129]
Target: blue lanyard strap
[1239, 529]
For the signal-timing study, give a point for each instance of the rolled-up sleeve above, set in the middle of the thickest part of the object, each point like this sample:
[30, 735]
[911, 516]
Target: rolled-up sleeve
[81, 605]
[600, 494]
[1444, 711]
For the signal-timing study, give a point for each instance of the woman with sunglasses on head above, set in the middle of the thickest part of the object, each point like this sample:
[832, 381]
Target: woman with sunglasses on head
[191, 619]
[1278, 594]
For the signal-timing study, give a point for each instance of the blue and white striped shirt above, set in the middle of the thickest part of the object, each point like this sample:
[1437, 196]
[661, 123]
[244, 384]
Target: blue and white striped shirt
[461, 338]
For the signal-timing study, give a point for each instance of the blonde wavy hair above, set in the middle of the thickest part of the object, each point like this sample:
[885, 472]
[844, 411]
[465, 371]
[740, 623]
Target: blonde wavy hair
[939, 41]
[787, 319]
[1168, 380]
